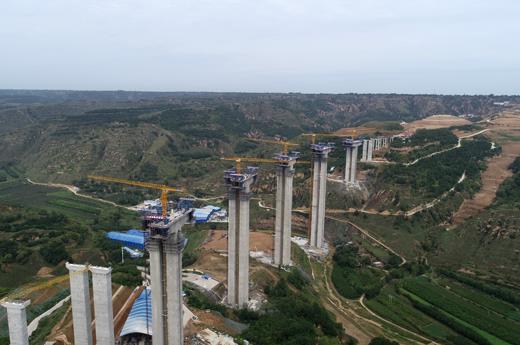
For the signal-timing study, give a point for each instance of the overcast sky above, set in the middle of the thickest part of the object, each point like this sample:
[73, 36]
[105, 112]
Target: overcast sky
[402, 46]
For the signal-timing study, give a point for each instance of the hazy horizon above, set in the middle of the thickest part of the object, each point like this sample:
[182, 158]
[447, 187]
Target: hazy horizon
[413, 47]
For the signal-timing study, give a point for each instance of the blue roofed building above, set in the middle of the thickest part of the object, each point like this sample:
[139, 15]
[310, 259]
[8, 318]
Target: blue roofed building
[201, 215]
[132, 238]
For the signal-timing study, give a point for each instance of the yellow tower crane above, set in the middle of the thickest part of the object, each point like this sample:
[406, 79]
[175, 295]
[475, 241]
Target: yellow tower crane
[285, 144]
[148, 185]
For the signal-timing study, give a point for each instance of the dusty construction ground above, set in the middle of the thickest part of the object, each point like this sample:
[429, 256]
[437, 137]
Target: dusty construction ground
[62, 333]
[436, 121]
[505, 131]
[258, 241]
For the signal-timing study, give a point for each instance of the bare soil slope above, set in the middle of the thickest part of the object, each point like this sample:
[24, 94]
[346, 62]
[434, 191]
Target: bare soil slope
[504, 130]
[436, 121]
[258, 241]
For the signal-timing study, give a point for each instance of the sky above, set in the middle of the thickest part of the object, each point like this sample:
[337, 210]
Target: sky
[321, 46]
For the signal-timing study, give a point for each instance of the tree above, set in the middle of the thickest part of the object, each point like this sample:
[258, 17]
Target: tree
[54, 252]
[382, 341]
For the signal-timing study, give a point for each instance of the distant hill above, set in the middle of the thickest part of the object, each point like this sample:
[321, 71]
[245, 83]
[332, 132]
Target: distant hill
[64, 135]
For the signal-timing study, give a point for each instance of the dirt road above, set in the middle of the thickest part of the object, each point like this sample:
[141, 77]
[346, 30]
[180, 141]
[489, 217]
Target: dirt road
[75, 191]
[459, 144]
[367, 234]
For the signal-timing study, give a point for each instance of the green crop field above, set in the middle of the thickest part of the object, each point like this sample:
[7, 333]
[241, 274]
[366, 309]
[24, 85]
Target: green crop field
[396, 308]
[484, 300]
[470, 313]
[23, 194]
[468, 330]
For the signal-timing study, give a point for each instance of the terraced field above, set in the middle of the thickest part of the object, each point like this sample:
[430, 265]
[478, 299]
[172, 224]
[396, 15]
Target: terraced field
[495, 305]
[472, 314]
[394, 307]
[449, 311]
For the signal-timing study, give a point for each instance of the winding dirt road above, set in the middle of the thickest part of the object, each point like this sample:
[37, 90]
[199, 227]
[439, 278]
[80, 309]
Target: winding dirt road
[459, 144]
[75, 191]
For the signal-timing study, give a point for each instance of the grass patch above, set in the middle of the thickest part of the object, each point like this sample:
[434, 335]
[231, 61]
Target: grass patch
[46, 324]
[300, 259]
[195, 239]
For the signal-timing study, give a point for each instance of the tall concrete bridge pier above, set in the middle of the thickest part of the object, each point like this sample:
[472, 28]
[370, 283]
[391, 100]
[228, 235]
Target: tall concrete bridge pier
[364, 152]
[165, 243]
[239, 195]
[351, 149]
[17, 322]
[320, 153]
[370, 149]
[284, 189]
[103, 312]
[80, 300]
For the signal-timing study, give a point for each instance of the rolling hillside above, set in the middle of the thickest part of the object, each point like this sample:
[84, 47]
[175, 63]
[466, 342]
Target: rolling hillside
[64, 135]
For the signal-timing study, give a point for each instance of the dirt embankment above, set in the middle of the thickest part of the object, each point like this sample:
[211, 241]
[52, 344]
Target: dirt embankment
[504, 130]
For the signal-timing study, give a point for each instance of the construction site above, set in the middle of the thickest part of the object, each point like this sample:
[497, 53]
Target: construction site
[156, 312]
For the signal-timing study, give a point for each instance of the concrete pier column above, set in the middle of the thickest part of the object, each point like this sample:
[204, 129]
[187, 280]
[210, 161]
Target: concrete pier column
[370, 150]
[353, 164]
[239, 191]
[80, 299]
[287, 218]
[103, 312]
[319, 190]
[173, 247]
[364, 153]
[278, 225]
[17, 322]
[320, 232]
[315, 202]
[158, 291]
[232, 247]
[351, 147]
[282, 235]
[243, 256]
[348, 163]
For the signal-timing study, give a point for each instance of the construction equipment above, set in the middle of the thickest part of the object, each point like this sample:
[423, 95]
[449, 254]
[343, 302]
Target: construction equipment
[285, 144]
[148, 185]
[346, 132]
[239, 160]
